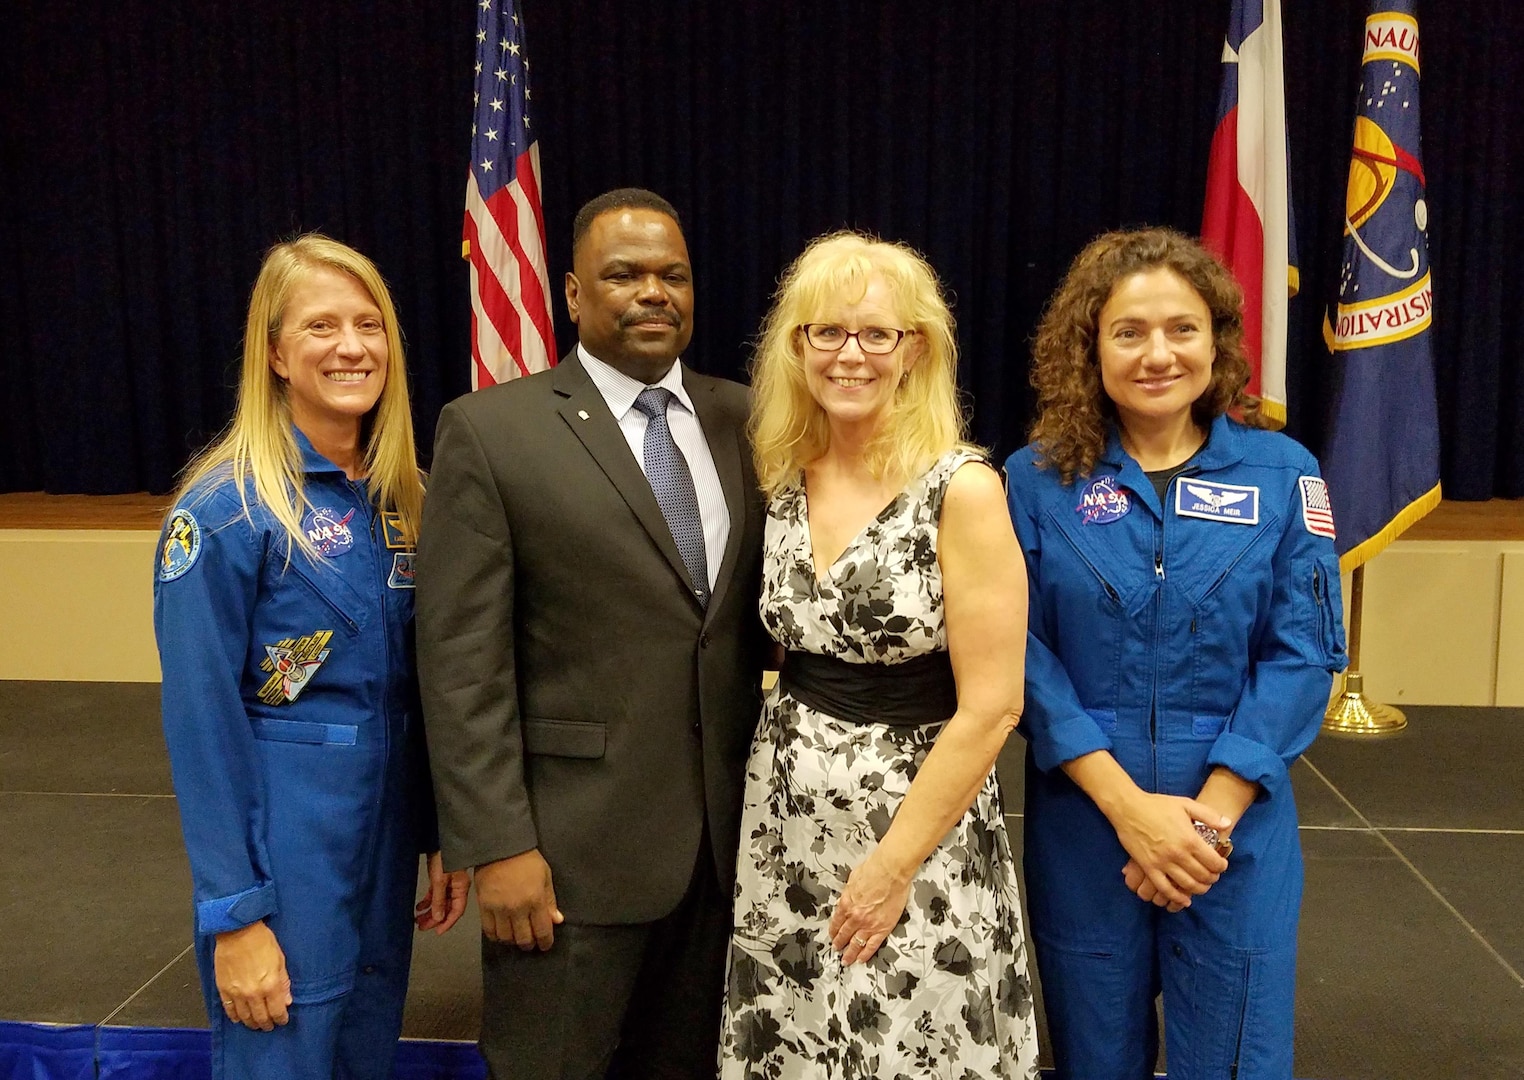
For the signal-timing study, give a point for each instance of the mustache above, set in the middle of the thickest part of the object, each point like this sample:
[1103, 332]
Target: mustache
[630, 318]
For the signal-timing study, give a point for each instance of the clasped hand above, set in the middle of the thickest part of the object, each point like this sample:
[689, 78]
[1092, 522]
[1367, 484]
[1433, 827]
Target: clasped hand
[870, 907]
[1170, 863]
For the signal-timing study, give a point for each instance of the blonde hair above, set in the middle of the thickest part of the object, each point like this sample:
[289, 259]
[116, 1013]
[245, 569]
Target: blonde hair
[788, 428]
[259, 445]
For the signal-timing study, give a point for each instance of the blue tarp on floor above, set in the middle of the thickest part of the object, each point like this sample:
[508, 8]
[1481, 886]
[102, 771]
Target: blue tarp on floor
[75, 1052]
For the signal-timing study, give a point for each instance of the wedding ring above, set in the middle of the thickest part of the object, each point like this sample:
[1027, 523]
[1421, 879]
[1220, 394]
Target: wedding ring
[859, 941]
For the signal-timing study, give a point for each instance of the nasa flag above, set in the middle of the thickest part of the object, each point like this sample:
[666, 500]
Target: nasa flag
[1247, 220]
[1381, 459]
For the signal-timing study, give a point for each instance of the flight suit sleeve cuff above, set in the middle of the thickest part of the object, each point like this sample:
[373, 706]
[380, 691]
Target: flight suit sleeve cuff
[1066, 739]
[1254, 761]
[237, 911]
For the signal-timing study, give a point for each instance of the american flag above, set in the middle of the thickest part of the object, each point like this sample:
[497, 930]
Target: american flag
[1317, 509]
[504, 237]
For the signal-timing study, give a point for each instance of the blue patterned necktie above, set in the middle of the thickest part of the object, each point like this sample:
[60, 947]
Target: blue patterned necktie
[672, 484]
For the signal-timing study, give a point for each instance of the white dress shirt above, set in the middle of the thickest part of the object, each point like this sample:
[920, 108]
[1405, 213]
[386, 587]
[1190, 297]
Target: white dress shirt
[620, 392]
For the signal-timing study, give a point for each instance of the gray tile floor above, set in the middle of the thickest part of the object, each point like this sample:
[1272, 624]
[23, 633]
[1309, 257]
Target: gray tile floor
[1412, 943]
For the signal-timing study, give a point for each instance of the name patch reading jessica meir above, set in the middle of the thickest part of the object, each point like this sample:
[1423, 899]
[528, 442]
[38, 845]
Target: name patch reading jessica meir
[291, 663]
[1235, 503]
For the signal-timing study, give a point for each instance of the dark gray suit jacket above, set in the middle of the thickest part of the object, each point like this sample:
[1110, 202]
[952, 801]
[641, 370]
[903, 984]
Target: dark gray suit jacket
[576, 696]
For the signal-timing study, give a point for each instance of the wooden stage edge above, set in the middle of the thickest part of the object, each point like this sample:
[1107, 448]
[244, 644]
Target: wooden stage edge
[1494, 520]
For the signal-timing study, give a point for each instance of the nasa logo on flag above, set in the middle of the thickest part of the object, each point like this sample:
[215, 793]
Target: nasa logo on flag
[1317, 510]
[402, 571]
[1103, 502]
[329, 532]
[182, 544]
[1212, 501]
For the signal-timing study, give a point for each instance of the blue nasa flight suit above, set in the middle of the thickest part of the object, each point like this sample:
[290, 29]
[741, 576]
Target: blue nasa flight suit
[1180, 637]
[295, 740]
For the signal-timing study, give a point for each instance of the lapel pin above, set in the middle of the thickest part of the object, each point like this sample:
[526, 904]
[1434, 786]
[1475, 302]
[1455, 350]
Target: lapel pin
[582, 414]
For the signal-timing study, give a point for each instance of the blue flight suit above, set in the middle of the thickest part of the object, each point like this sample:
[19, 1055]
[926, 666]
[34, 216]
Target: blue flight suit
[291, 714]
[1180, 637]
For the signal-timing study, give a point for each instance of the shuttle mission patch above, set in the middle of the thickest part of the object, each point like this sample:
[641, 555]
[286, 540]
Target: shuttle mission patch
[182, 545]
[291, 663]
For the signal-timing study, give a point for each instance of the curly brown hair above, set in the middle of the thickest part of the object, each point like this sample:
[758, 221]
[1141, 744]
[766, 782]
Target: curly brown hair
[1073, 411]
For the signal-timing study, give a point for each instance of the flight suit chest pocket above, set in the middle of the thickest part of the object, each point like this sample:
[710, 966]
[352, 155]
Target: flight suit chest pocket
[565, 738]
[325, 594]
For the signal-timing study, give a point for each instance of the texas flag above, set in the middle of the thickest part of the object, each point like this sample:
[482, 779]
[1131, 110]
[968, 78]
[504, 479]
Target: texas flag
[1247, 221]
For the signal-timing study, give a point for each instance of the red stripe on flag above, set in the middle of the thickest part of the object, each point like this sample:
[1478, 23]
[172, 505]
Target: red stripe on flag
[505, 211]
[529, 183]
[1231, 230]
[495, 301]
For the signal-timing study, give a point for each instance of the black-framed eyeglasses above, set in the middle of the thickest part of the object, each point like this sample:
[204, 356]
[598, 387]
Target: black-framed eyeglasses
[875, 340]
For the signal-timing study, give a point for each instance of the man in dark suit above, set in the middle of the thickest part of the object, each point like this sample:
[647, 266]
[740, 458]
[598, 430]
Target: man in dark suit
[590, 655]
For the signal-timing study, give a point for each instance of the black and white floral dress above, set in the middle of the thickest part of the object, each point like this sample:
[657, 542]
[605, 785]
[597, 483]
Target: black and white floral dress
[947, 994]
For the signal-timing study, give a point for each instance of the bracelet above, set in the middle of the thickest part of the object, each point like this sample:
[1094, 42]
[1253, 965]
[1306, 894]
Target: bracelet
[1223, 845]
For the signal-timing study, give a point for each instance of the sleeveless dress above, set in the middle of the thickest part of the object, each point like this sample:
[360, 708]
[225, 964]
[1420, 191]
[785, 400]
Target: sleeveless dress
[948, 993]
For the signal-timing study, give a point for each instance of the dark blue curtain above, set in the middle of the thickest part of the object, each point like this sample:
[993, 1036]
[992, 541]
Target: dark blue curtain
[152, 150]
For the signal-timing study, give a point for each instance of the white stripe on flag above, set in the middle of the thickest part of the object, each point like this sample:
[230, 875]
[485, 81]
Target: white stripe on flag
[1262, 172]
[498, 255]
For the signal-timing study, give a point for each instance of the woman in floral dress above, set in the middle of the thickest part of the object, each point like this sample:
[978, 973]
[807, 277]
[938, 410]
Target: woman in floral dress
[878, 929]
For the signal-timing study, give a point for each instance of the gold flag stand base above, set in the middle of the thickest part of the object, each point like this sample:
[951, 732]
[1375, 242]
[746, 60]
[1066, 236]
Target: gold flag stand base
[1352, 713]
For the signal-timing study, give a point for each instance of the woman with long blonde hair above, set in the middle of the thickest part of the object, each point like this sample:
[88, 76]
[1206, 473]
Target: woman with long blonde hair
[283, 611]
[877, 925]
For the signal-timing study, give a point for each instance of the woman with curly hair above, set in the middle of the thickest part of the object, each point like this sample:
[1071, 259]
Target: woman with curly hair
[877, 924]
[1184, 628]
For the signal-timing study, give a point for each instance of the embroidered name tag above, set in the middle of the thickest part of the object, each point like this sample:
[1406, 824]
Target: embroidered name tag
[1199, 498]
[1103, 502]
[392, 533]
[1317, 510]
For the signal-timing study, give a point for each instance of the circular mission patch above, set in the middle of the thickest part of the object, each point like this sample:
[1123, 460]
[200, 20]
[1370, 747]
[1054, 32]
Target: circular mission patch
[182, 544]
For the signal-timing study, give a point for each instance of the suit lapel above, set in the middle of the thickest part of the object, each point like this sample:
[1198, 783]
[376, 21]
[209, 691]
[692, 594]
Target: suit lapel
[725, 448]
[587, 414]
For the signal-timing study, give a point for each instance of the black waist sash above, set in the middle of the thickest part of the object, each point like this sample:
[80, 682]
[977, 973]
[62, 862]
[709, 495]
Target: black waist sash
[918, 691]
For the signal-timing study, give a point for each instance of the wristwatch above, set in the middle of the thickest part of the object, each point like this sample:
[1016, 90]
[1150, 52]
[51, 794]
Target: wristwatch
[1223, 845]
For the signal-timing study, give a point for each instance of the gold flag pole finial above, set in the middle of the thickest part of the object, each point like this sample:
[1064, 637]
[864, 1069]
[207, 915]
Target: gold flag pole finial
[1352, 713]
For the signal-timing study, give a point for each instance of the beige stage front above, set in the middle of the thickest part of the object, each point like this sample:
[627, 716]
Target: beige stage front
[1444, 606]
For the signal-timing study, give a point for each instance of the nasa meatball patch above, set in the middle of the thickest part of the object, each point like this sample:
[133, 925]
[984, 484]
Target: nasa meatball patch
[1212, 501]
[1103, 502]
[1317, 511]
[182, 545]
[329, 531]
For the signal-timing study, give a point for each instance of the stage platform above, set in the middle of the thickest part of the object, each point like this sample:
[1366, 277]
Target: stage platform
[1411, 945]
[1444, 606]
[1494, 520]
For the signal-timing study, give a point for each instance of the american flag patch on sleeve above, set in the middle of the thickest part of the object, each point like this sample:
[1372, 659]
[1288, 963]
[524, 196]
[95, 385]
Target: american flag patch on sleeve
[1317, 511]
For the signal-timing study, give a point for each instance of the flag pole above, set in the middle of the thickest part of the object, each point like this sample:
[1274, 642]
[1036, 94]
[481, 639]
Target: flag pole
[1352, 713]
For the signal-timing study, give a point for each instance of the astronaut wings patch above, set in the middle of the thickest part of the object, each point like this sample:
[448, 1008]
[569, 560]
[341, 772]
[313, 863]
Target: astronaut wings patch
[1317, 511]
